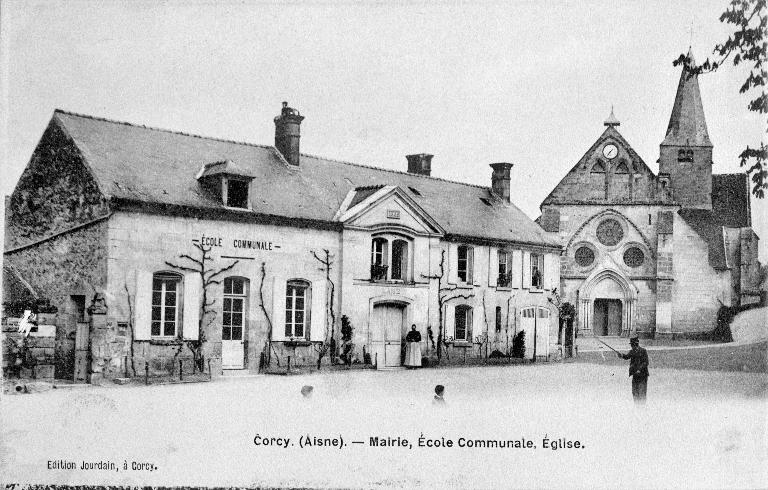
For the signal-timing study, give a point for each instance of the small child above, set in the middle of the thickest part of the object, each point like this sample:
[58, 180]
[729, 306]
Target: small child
[438, 399]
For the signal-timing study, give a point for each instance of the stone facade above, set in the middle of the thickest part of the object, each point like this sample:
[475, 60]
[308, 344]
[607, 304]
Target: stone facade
[647, 254]
[83, 226]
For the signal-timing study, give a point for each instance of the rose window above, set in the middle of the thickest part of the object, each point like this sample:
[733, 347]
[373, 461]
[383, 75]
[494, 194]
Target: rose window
[634, 257]
[584, 256]
[610, 232]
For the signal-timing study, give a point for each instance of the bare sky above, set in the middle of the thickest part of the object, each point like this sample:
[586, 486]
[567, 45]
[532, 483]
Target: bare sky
[527, 82]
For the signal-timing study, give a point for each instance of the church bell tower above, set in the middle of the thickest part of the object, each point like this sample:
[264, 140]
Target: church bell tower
[686, 152]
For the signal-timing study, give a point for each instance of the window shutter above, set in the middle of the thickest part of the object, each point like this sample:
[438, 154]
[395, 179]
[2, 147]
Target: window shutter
[526, 270]
[493, 266]
[470, 265]
[549, 268]
[470, 312]
[449, 321]
[517, 269]
[479, 264]
[279, 284]
[142, 322]
[452, 263]
[420, 259]
[318, 313]
[193, 289]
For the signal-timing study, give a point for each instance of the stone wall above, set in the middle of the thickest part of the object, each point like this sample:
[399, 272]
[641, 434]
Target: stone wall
[55, 192]
[691, 182]
[144, 242]
[69, 264]
[698, 290]
[35, 352]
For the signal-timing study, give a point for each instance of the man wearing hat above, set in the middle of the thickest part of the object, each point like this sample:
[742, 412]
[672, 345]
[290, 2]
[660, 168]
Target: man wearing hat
[638, 369]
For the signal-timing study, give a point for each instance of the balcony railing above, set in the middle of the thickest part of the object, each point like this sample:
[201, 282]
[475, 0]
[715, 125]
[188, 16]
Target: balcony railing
[379, 272]
[504, 280]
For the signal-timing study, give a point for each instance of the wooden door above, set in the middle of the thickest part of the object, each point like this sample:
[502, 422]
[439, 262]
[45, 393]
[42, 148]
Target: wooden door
[233, 324]
[600, 318]
[387, 327]
[614, 317]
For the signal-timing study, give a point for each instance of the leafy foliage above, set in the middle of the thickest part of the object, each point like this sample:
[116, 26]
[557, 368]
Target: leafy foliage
[747, 45]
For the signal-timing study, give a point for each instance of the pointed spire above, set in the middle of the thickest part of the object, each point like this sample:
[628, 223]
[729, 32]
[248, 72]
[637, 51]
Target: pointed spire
[687, 125]
[612, 121]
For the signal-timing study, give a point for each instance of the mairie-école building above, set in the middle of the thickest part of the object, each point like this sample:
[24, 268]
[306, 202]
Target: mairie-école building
[293, 243]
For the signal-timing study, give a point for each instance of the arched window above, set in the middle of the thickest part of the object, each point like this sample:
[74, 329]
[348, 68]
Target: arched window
[598, 168]
[465, 257]
[399, 260]
[297, 303]
[463, 323]
[622, 168]
[390, 260]
[235, 308]
[379, 259]
[166, 304]
[684, 155]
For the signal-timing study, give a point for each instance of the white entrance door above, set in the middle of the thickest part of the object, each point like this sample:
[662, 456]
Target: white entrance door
[233, 324]
[535, 322]
[387, 328]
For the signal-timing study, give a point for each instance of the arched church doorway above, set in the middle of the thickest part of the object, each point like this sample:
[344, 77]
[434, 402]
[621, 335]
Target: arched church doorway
[607, 318]
[606, 303]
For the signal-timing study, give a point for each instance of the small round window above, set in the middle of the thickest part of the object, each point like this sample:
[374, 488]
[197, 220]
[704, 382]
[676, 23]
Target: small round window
[584, 256]
[634, 257]
[609, 232]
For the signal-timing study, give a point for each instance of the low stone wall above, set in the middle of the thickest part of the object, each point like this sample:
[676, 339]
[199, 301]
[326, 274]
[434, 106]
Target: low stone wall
[30, 357]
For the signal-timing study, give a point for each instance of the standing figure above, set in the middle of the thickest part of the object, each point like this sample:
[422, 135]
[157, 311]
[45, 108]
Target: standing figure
[638, 369]
[413, 348]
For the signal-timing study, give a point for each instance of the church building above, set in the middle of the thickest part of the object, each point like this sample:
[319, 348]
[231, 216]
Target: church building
[654, 254]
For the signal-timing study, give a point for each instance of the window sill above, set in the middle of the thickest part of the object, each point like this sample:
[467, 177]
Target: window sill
[294, 343]
[235, 208]
[462, 344]
[504, 288]
[165, 341]
[536, 290]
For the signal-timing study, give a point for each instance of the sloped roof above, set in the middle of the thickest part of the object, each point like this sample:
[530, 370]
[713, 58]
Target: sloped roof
[731, 200]
[158, 166]
[705, 223]
[226, 167]
[15, 288]
[730, 208]
[687, 125]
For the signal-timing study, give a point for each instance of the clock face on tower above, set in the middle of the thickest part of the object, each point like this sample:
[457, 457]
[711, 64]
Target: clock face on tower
[610, 151]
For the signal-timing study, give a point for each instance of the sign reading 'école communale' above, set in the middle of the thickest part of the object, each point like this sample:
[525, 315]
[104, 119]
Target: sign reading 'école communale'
[217, 241]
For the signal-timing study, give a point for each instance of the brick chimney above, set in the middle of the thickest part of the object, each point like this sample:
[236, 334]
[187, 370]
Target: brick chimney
[287, 133]
[500, 180]
[420, 163]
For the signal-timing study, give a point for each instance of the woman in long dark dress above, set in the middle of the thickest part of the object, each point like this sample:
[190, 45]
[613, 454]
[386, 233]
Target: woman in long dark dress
[413, 348]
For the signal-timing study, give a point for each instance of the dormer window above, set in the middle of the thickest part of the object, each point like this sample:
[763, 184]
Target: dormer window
[236, 193]
[227, 182]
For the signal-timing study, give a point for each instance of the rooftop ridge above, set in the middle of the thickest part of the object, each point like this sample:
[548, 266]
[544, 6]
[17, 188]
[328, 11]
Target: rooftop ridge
[255, 145]
[161, 130]
[344, 162]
